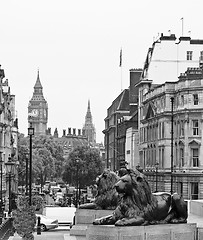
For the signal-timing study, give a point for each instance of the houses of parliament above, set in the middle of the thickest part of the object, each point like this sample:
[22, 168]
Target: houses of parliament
[38, 118]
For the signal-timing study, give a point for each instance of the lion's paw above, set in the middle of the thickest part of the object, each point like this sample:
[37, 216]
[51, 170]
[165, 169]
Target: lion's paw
[96, 222]
[120, 222]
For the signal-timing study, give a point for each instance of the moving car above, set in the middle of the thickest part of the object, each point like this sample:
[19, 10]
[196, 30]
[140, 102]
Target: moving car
[46, 223]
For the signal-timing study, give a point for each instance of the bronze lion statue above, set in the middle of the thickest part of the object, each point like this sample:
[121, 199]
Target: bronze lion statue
[107, 197]
[138, 206]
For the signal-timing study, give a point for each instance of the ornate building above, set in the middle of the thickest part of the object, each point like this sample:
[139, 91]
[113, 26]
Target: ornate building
[181, 153]
[8, 141]
[38, 109]
[88, 128]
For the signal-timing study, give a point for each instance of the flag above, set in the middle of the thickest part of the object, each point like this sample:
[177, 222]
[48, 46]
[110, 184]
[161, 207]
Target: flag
[120, 58]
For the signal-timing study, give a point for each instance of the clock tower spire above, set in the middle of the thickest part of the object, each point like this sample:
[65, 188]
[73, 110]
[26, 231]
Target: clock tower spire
[38, 109]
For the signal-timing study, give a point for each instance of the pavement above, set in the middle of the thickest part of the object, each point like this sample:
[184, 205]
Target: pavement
[191, 219]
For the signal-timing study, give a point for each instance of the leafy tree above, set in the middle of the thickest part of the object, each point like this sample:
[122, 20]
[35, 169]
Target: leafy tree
[86, 162]
[23, 152]
[47, 158]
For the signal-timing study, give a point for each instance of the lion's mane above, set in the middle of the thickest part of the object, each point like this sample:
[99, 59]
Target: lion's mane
[107, 196]
[137, 199]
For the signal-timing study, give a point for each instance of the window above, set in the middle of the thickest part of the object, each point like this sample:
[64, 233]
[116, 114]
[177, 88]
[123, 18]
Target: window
[194, 190]
[162, 157]
[162, 130]
[189, 55]
[182, 157]
[195, 128]
[182, 128]
[182, 100]
[195, 99]
[201, 56]
[195, 157]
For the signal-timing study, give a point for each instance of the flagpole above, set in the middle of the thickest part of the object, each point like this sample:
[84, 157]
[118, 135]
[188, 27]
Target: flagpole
[182, 25]
[121, 78]
[121, 69]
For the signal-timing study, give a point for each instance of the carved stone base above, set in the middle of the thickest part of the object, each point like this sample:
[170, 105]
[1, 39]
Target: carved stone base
[151, 232]
[84, 218]
[87, 216]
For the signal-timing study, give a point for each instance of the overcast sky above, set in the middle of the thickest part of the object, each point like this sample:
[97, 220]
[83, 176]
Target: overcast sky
[76, 46]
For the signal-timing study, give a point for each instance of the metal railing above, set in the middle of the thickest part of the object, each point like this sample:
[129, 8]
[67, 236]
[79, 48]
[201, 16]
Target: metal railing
[6, 229]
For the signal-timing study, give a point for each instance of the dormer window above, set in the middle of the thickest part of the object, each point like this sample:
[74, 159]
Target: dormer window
[189, 55]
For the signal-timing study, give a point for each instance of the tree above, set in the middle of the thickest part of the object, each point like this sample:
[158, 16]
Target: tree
[23, 151]
[47, 158]
[89, 166]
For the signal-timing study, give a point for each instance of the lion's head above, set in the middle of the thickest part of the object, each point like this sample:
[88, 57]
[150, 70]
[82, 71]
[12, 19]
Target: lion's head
[107, 197]
[106, 181]
[134, 184]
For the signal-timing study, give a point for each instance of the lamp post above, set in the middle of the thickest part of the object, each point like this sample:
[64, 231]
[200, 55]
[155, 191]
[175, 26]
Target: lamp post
[77, 179]
[26, 176]
[30, 133]
[1, 196]
[172, 102]
[156, 166]
[9, 169]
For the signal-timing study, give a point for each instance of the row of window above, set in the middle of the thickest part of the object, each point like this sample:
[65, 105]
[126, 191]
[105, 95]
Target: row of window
[149, 157]
[179, 100]
[190, 53]
[157, 131]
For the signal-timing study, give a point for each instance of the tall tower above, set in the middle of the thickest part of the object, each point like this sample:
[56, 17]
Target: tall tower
[88, 128]
[38, 109]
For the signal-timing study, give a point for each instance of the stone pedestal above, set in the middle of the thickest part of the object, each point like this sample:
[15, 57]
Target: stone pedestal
[87, 216]
[84, 218]
[151, 232]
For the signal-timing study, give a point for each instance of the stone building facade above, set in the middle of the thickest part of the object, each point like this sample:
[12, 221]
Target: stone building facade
[155, 134]
[170, 141]
[122, 117]
[8, 138]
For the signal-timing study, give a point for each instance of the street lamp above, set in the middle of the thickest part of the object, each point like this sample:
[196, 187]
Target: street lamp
[77, 178]
[9, 169]
[26, 176]
[172, 103]
[30, 133]
[1, 197]
[156, 166]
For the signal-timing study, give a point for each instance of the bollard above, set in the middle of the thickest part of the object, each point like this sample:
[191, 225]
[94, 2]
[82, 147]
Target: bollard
[38, 226]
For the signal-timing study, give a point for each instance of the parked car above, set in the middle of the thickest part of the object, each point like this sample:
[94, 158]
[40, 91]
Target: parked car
[46, 223]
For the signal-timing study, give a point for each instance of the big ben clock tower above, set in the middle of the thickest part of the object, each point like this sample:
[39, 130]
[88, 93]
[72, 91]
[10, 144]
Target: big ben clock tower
[38, 110]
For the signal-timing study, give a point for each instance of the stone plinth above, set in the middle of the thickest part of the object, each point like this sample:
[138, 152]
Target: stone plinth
[87, 216]
[151, 232]
[84, 218]
[196, 207]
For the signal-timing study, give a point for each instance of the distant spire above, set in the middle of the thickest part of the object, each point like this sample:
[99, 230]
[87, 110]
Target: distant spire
[88, 117]
[88, 128]
[88, 108]
[38, 83]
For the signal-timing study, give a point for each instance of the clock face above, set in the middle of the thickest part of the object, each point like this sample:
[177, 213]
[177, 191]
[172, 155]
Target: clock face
[35, 112]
